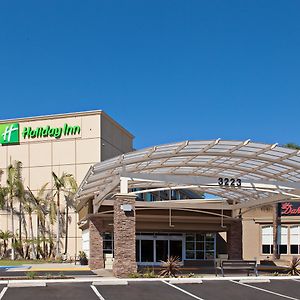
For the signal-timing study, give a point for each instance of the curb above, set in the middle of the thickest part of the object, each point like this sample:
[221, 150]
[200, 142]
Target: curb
[259, 280]
[26, 284]
[54, 270]
[111, 282]
[184, 280]
[115, 281]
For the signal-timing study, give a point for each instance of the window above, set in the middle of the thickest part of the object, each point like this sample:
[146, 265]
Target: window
[282, 239]
[295, 239]
[137, 251]
[108, 244]
[267, 239]
[149, 197]
[200, 246]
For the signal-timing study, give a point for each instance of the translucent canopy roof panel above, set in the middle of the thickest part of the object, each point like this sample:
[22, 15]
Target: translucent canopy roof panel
[253, 170]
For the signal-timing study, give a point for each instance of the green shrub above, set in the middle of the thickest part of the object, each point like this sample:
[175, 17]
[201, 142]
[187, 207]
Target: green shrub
[135, 275]
[170, 267]
[294, 267]
[31, 274]
[148, 273]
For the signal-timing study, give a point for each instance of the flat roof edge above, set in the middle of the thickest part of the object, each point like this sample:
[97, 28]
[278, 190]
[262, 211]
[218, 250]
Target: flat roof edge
[68, 115]
[104, 114]
[53, 116]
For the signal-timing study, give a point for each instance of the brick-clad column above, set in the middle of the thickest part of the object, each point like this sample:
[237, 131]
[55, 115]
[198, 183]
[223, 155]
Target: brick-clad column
[124, 236]
[96, 260]
[235, 240]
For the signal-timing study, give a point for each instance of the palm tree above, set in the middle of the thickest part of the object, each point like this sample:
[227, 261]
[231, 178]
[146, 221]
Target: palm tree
[51, 212]
[5, 236]
[69, 197]
[15, 189]
[29, 207]
[60, 185]
[3, 192]
[39, 207]
[3, 195]
[276, 222]
[292, 146]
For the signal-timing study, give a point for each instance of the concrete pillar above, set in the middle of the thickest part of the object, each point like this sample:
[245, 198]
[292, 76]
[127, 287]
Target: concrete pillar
[235, 240]
[124, 236]
[96, 259]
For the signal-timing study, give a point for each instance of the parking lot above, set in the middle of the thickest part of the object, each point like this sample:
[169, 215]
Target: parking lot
[150, 290]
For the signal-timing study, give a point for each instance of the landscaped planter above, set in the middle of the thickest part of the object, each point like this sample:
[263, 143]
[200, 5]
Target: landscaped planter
[83, 261]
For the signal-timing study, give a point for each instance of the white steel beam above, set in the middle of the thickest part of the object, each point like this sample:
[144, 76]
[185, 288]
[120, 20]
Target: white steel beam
[206, 180]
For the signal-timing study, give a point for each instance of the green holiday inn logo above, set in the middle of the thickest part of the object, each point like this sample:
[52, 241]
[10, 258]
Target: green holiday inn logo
[9, 133]
[48, 131]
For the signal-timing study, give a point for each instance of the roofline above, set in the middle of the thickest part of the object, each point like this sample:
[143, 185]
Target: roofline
[68, 115]
[192, 149]
[104, 114]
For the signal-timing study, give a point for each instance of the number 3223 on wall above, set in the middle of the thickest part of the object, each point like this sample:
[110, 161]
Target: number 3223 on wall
[229, 182]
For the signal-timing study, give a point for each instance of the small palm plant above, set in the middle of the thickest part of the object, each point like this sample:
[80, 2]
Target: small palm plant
[5, 236]
[82, 258]
[294, 267]
[170, 267]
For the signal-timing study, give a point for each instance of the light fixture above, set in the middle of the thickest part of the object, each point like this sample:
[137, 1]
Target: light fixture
[126, 207]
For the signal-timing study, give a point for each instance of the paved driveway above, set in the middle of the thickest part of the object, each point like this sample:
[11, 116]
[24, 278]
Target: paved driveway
[157, 290]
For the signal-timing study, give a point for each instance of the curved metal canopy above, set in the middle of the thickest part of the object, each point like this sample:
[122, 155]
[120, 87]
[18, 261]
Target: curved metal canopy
[257, 173]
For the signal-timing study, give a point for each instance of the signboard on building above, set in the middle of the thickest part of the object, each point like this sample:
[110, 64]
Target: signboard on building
[290, 209]
[9, 133]
[48, 131]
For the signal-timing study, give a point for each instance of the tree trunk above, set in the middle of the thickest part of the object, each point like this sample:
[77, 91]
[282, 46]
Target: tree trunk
[276, 254]
[44, 236]
[4, 246]
[32, 237]
[38, 252]
[67, 228]
[51, 241]
[12, 229]
[20, 221]
[57, 221]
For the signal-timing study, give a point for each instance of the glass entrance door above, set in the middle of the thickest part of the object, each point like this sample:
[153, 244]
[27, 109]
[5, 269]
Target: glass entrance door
[147, 251]
[162, 250]
[176, 248]
[152, 249]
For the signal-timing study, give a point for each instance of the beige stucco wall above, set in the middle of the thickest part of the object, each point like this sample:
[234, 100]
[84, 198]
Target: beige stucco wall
[41, 156]
[114, 140]
[71, 154]
[253, 221]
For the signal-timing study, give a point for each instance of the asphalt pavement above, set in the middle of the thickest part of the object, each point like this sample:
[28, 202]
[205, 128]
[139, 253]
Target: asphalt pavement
[160, 290]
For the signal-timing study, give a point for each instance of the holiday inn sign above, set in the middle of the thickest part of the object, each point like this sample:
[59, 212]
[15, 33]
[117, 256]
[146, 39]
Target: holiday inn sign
[10, 133]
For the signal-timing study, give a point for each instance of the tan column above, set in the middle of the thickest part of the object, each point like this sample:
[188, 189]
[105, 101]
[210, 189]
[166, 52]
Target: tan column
[235, 240]
[96, 259]
[124, 235]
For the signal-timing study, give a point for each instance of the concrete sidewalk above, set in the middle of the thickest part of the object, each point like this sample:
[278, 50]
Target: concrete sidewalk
[51, 267]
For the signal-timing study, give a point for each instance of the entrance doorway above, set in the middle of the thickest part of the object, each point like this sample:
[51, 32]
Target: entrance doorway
[153, 248]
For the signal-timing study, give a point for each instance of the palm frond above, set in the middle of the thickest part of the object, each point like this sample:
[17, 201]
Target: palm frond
[294, 267]
[42, 190]
[170, 267]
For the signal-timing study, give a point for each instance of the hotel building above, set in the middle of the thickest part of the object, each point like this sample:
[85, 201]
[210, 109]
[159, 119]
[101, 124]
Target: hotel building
[69, 143]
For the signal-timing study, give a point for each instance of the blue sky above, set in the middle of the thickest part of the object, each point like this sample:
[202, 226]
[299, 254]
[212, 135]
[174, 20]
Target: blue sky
[166, 70]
